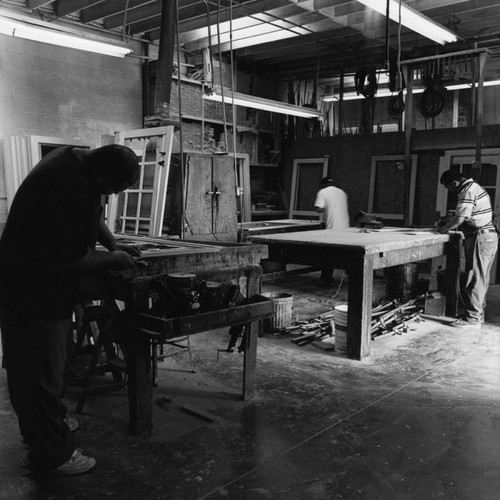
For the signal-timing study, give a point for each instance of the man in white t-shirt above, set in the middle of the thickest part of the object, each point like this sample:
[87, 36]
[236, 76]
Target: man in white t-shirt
[332, 202]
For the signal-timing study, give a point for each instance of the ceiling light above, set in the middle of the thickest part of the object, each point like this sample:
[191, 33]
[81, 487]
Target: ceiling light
[350, 96]
[250, 101]
[460, 86]
[50, 35]
[413, 20]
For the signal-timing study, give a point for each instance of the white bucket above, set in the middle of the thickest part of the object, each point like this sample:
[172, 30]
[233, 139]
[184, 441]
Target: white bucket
[340, 318]
[282, 303]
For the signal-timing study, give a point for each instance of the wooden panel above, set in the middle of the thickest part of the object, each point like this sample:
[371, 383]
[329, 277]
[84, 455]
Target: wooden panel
[224, 205]
[211, 198]
[198, 205]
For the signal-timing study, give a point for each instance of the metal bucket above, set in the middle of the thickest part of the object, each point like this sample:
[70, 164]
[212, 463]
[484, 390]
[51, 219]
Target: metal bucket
[282, 303]
[402, 281]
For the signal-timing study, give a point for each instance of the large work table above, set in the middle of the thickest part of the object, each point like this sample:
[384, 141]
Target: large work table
[208, 261]
[360, 252]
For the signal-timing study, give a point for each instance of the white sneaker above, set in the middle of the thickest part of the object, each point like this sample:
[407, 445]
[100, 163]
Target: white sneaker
[77, 464]
[466, 323]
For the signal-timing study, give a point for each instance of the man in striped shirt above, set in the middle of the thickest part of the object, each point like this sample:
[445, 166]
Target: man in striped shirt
[474, 217]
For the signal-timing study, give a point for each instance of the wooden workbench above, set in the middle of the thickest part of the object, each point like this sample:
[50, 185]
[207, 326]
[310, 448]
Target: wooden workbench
[360, 253]
[209, 261]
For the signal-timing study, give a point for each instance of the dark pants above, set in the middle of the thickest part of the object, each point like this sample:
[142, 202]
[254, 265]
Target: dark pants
[34, 355]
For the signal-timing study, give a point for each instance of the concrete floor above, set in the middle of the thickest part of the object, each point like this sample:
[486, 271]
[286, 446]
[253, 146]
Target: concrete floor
[420, 419]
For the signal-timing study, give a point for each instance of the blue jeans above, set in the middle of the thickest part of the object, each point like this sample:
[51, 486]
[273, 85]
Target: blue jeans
[480, 251]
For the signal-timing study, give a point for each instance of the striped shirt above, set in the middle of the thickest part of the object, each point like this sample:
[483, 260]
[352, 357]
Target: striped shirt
[475, 205]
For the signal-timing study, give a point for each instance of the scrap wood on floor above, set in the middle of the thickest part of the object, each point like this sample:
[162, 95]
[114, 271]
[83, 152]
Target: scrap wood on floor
[392, 317]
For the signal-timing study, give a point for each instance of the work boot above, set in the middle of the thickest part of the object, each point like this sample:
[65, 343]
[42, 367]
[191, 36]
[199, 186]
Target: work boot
[76, 464]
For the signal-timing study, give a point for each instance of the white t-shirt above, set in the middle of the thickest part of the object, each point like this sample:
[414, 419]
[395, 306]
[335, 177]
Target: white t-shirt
[334, 202]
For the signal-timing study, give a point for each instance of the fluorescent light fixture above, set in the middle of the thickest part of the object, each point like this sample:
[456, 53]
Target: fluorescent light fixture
[461, 86]
[413, 20]
[351, 96]
[259, 28]
[49, 35]
[250, 101]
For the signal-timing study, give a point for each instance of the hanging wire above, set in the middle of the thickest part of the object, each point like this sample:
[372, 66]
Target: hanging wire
[181, 150]
[233, 107]
[221, 78]
[344, 275]
[209, 35]
[399, 84]
[387, 63]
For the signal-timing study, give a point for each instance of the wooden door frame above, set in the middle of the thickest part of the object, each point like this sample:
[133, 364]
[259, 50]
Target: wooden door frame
[167, 147]
[295, 176]
[444, 164]
[373, 176]
[23, 153]
[243, 176]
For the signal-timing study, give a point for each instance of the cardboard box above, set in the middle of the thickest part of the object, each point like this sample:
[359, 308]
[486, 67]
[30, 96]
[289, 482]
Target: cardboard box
[435, 304]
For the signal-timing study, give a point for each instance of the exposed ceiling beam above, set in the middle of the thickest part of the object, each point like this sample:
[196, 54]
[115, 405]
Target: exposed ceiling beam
[109, 8]
[70, 6]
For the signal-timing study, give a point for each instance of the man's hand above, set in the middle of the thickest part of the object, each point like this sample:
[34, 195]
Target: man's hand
[122, 260]
[135, 252]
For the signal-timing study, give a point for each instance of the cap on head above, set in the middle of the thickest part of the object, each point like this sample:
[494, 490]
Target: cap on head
[326, 181]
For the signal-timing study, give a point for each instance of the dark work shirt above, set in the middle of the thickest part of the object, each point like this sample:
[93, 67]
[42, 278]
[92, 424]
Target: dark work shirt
[53, 220]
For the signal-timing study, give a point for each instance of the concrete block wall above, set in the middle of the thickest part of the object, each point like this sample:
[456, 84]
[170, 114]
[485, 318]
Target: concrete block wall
[52, 91]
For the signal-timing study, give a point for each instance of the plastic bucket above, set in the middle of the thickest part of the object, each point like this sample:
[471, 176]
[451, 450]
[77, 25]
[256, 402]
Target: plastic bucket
[340, 319]
[282, 303]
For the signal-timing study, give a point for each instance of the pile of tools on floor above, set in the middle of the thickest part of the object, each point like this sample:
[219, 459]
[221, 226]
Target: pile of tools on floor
[309, 330]
[388, 318]
[394, 316]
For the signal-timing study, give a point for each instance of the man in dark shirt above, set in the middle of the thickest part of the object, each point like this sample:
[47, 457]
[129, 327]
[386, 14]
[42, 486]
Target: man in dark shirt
[48, 242]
